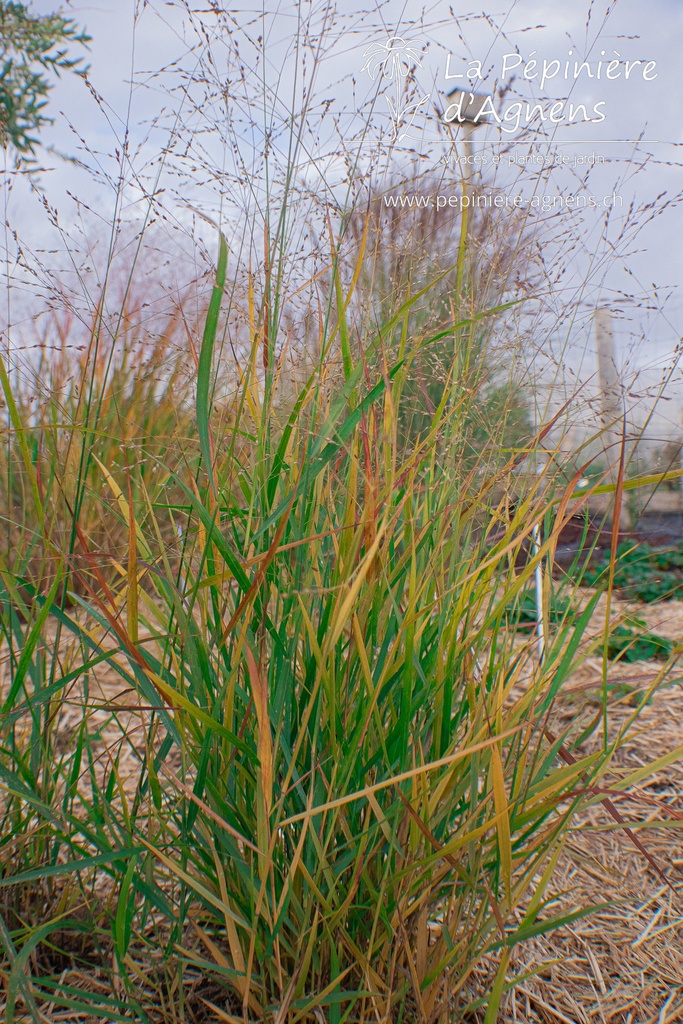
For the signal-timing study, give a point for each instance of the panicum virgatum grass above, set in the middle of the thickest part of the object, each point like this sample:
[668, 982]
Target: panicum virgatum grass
[272, 747]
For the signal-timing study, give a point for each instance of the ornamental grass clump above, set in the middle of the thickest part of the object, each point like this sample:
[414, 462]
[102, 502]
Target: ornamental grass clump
[272, 746]
[286, 752]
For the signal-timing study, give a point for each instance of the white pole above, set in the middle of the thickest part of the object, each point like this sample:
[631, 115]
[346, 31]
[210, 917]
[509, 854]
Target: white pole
[610, 399]
[540, 633]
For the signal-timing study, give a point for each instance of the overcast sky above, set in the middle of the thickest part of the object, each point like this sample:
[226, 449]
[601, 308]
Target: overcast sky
[131, 42]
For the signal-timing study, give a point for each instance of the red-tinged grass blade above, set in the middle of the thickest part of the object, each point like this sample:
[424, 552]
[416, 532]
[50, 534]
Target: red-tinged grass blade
[259, 691]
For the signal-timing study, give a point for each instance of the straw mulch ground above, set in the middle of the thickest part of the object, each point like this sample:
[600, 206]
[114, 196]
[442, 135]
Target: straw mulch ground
[623, 964]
